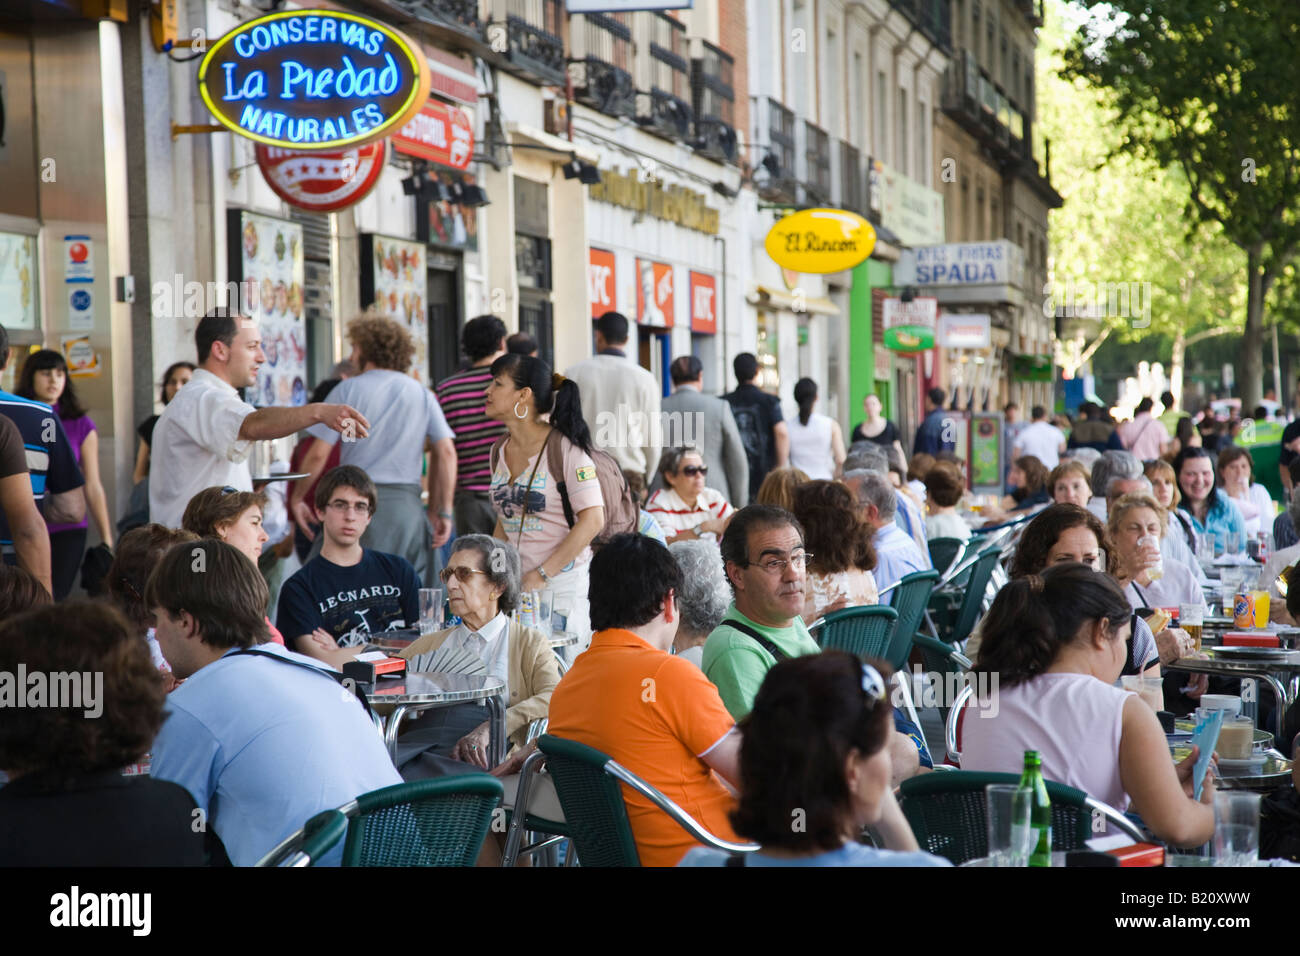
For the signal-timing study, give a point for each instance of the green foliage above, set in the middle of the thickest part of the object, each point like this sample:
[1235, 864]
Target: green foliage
[1124, 218]
[1209, 87]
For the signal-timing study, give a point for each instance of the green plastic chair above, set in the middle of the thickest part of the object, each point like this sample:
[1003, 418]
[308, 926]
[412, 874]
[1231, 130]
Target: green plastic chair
[864, 631]
[548, 832]
[438, 822]
[317, 837]
[946, 812]
[944, 552]
[973, 599]
[940, 659]
[910, 598]
[588, 785]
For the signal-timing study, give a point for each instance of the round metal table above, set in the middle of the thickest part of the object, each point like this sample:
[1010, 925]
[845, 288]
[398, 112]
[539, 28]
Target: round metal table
[429, 690]
[558, 641]
[1278, 673]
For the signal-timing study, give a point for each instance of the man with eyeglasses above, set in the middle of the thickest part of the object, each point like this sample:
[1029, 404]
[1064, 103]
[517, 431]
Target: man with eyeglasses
[336, 600]
[766, 564]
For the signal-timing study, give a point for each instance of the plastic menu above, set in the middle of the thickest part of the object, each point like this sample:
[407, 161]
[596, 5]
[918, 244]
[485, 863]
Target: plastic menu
[1205, 736]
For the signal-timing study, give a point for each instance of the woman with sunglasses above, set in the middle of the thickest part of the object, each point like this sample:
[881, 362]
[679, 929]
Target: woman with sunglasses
[1054, 646]
[482, 583]
[815, 750]
[685, 507]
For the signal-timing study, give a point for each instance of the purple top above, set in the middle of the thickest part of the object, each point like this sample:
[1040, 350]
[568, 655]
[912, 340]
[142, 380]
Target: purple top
[77, 429]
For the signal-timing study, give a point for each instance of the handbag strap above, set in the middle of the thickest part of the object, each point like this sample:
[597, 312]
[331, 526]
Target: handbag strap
[762, 641]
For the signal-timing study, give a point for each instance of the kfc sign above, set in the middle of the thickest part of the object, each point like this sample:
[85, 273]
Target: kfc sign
[600, 281]
[704, 303]
[440, 133]
[654, 293]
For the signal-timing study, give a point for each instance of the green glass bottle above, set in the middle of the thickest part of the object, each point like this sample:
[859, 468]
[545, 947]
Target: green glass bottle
[1041, 815]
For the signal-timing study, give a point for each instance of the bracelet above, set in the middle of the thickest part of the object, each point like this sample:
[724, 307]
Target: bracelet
[542, 571]
[446, 514]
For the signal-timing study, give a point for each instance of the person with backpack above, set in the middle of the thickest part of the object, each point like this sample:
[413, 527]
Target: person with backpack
[554, 494]
[760, 421]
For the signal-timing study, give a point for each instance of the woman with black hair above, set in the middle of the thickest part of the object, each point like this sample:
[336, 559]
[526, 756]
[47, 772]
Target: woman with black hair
[541, 409]
[816, 441]
[1054, 646]
[813, 753]
[45, 378]
[1211, 511]
[177, 374]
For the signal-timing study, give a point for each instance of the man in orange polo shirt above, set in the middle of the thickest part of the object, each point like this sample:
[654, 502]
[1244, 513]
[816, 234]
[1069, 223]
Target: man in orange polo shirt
[656, 714]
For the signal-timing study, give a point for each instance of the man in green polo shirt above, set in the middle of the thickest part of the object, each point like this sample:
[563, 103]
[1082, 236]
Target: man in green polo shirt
[765, 561]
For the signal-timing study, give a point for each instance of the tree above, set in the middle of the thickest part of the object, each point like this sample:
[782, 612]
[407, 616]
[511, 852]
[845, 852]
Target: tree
[1121, 243]
[1209, 86]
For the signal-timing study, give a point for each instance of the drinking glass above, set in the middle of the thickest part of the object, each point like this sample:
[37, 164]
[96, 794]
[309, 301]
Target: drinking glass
[543, 602]
[1205, 548]
[1007, 813]
[430, 610]
[1236, 828]
[1232, 544]
[1191, 618]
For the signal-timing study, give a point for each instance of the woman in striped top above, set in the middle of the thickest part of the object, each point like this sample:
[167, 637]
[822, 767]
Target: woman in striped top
[685, 508]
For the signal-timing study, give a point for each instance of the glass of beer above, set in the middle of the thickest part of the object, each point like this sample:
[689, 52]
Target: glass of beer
[1191, 618]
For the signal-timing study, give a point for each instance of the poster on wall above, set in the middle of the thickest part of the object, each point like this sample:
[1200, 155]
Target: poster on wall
[268, 264]
[19, 301]
[394, 276]
[986, 453]
[601, 281]
[654, 293]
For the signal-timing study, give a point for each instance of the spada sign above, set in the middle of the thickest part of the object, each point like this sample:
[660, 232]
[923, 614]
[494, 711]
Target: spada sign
[322, 181]
[820, 240]
[313, 79]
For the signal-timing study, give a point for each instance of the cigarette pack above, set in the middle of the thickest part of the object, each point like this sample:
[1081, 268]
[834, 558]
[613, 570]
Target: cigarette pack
[1250, 639]
[1140, 854]
[368, 671]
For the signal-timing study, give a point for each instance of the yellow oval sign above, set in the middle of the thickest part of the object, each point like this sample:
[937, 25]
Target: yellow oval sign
[314, 79]
[820, 240]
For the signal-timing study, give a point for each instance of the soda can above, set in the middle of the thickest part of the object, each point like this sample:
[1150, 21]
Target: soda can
[1243, 610]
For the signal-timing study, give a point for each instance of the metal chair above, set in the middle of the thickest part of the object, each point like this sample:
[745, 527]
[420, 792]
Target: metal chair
[304, 848]
[545, 834]
[947, 813]
[587, 783]
[946, 553]
[438, 822]
[941, 659]
[864, 631]
[952, 726]
[973, 599]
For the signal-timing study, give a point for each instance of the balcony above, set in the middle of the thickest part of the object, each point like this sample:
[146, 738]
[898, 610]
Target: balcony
[714, 101]
[532, 47]
[817, 160]
[931, 17]
[459, 16]
[1032, 11]
[853, 183]
[977, 104]
[665, 109]
[601, 62]
[781, 185]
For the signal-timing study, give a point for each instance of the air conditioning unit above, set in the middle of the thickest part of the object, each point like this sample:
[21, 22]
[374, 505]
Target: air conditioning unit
[663, 113]
[555, 116]
[716, 140]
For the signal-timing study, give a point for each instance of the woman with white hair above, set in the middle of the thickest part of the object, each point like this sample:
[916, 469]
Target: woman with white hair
[704, 597]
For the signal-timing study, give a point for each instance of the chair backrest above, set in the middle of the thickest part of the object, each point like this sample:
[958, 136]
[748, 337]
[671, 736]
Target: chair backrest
[973, 599]
[947, 813]
[944, 552]
[440, 822]
[909, 599]
[592, 800]
[864, 631]
[305, 848]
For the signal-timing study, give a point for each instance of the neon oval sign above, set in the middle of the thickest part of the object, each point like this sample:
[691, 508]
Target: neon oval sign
[314, 79]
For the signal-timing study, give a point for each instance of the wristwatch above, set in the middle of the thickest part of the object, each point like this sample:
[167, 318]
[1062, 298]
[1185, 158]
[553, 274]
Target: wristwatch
[542, 571]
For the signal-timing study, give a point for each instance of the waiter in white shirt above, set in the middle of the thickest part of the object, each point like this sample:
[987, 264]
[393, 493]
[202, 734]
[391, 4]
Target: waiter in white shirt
[203, 439]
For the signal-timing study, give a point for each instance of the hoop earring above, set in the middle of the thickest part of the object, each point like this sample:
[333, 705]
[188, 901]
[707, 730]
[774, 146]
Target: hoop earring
[524, 415]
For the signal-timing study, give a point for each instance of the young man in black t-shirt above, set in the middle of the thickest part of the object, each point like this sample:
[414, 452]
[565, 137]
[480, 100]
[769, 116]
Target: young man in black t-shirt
[760, 422]
[347, 592]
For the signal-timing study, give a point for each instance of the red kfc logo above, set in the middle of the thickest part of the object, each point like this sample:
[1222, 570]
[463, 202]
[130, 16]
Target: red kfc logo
[704, 292]
[600, 281]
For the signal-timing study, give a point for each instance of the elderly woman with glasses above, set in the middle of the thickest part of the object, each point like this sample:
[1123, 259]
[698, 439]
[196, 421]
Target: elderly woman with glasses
[685, 507]
[482, 581]
[703, 599]
[817, 741]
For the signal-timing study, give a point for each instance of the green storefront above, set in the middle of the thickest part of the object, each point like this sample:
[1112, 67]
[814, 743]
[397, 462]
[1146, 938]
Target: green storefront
[866, 375]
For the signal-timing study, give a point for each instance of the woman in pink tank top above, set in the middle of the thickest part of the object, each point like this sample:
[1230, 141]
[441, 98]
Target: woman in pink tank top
[1053, 648]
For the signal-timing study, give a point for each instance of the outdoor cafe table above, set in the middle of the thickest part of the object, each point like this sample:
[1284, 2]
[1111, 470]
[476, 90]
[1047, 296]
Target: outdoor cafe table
[1278, 673]
[430, 690]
